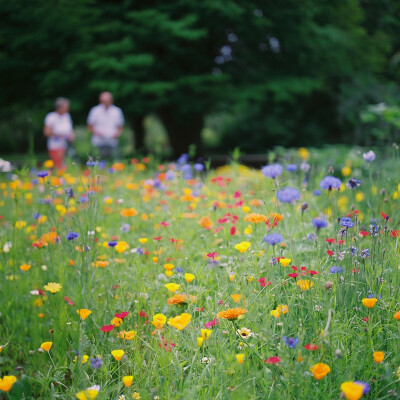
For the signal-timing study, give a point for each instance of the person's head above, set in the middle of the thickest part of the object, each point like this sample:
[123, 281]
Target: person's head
[106, 99]
[61, 105]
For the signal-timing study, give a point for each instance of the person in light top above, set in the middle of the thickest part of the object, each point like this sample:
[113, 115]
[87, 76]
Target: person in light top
[59, 131]
[106, 123]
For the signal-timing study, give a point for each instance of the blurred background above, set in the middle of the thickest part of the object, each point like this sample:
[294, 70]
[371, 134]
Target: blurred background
[217, 74]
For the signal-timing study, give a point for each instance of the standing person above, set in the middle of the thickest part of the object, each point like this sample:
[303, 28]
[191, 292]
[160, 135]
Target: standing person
[59, 131]
[106, 123]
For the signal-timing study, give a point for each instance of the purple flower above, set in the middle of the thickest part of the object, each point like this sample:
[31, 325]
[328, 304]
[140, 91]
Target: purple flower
[353, 183]
[198, 167]
[319, 223]
[288, 195]
[42, 174]
[291, 342]
[183, 159]
[72, 235]
[366, 387]
[211, 324]
[336, 270]
[90, 163]
[273, 238]
[96, 363]
[346, 222]
[291, 168]
[369, 156]
[317, 192]
[179, 270]
[330, 182]
[272, 171]
[311, 236]
[112, 243]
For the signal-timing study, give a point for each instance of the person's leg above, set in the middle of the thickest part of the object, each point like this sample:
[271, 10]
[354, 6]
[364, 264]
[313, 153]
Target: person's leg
[57, 155]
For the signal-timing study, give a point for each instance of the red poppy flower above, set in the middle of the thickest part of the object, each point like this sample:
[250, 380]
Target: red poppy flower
[330, 252]
[237, 194]
[293, 275]
[157, 238]
[341, 242]
[385, 216]
[313, 272]
[122, 314]
[212, 255]
[107, 328]
[143, 314]
[356, 271]
[272, 360]
[395, 233]
[233, 230]
[330, 240]
[363, 233]
[311, 346]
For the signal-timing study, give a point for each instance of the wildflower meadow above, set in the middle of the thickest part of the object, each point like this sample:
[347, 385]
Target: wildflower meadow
[155, 281]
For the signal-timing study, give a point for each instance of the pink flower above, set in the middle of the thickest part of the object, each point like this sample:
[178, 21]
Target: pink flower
[107, 328]
[122, 315]
[70, 302]
[272, 360]
[212, 323]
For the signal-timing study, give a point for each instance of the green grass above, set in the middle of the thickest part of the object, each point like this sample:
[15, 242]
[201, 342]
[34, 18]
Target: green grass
[334, 319]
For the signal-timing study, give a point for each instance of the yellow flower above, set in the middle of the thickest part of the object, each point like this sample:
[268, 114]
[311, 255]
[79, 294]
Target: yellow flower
[346, 171]
[172, 287]
[136, 396]
[83, 313]
[127, 335]
[180, 321]
[116, 321]
[189, 277]
[304, 153]
[246, 209]
[200, 341]
[143, 240]
[275, 313]
[236, 297]
[88, 394]
[320, 370]
[159, 321]
[20, 224]
[352, 390]
[84, 358]
[206, 333]
[397, 315]
[127, 380]
[46, 346]
[369, 303]
[240, 358]
[53, 287]
[169, 266]
[121, 247]
[7, 382]
[285, 261]
[24, 267]
[283, 308]
[231, 277]
[242, 246]
[305, 284]
[378, 356]
[117, 354]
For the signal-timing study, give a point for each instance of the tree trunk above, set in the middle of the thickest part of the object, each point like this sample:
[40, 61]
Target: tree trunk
[183, 131]
[138, 132]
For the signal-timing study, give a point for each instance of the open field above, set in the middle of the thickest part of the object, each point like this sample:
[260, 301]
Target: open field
[173, 281]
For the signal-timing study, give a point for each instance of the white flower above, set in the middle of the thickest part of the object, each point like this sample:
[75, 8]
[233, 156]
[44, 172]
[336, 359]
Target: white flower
[34, 292]
[369, 156]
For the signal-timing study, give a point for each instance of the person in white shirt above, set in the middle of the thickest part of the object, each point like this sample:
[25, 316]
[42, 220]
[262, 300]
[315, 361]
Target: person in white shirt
[59, 131]
[106, 123]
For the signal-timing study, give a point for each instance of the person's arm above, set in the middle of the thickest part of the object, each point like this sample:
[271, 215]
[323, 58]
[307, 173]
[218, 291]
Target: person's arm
[90, 124]
[118, 132]
[47, 131]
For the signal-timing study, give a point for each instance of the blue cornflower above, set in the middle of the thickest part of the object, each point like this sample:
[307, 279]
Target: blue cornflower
[42, 174]
[91, 163]
[291, 168]
[291, 342]
[346, 222]
[330, 182]
[96, 363]
[139, 251]
[72, 235]
[272, 171]
[317, 192]
[169, 175]
[183, 159]
[364, 253]
[112, 243]
[198, 167]
[353, 251]
[179, 270]
[69, 192]
[375, 296]
[353, 183]
[319, 223]
[187, 171]
[336, 269]
[273, 238]
[288, 195]
[37, 215]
